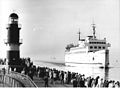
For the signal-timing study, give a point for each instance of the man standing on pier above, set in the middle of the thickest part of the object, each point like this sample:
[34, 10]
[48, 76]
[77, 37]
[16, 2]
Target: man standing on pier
[46, 78]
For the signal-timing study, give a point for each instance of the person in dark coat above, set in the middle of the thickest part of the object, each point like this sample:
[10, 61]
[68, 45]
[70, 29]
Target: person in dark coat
[69, 77]
[96, 80]
[46, 79]
[75, 82]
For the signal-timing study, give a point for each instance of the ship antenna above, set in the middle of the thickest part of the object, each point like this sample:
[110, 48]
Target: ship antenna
[79, 34]
[93, 26]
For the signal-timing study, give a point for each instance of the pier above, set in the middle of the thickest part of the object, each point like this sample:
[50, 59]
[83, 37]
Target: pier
[15, 79]
[40, 83]
[71, 79]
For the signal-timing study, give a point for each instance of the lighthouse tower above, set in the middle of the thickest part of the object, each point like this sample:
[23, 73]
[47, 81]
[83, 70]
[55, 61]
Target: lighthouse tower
[13, 42]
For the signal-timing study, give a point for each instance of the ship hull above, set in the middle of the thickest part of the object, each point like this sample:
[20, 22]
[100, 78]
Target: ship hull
[98, 58]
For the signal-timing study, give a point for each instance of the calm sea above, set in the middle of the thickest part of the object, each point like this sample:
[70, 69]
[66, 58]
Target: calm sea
[113, 73]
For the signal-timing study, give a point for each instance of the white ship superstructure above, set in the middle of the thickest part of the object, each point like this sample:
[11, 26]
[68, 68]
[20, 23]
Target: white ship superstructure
[88, 51]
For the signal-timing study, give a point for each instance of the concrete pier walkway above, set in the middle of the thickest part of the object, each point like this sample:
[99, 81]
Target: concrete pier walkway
[40, 83]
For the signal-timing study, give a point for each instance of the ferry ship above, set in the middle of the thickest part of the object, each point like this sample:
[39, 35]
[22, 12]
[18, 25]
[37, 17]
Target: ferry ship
[90, 50]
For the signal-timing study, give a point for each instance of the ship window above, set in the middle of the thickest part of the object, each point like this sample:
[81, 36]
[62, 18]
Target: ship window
[103, 47]
[91, 47]
[91, 42]
[95, 47]
[90, 51]
[102, 42]
[99, 47]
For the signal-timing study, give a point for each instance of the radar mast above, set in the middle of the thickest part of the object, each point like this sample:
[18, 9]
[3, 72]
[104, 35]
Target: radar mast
[93, 26]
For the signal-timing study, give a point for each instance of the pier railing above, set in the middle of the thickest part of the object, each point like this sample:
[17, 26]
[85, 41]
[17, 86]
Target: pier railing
[14, 79]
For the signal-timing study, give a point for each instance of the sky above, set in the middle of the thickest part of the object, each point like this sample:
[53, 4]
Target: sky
[49, 25]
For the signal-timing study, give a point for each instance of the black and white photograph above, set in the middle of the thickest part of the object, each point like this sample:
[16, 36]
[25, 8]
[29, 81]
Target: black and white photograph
[60, 43]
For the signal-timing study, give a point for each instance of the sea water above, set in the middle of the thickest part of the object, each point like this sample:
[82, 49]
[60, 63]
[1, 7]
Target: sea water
[112, 73]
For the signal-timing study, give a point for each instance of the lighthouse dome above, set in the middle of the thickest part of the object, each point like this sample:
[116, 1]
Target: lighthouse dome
[13, 15]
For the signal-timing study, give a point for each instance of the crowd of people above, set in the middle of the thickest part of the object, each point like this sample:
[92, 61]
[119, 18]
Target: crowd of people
[77, 80]
[28, 67]
[53, 75]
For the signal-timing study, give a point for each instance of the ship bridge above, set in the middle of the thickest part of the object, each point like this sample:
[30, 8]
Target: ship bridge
[94, 44]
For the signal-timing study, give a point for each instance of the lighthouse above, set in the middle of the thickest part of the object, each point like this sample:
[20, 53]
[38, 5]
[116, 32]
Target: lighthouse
[13, 42]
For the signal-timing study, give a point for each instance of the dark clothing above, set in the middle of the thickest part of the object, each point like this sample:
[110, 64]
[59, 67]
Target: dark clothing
[46, 81]
[69, 77]
[82, 83]
[96, 80]
[90, 82]
[75, 83]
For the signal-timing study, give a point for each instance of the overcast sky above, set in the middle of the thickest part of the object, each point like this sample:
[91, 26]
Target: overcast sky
[49, 25]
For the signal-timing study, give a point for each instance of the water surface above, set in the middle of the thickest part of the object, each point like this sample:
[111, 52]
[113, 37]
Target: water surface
[113, 73]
